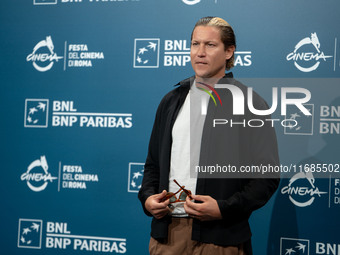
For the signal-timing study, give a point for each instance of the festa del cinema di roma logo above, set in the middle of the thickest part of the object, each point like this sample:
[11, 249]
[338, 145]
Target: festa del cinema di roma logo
[76, 55]
[191, 2]
[301, 189]
[40, 55]
[37, 176]
[300, 57]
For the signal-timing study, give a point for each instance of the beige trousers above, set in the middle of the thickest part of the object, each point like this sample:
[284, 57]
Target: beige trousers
[180, 243]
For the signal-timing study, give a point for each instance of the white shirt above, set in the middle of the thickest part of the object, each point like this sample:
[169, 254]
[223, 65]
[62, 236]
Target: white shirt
[186, 145]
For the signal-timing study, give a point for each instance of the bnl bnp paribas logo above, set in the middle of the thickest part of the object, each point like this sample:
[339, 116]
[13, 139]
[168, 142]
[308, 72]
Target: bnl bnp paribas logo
[136, 173]
[305, 123]
[64, 114]
[44, 2]
[30, 233]
[293, 246]
[299, 246]
[58, 236]
[36, 113]
[307, 55]
[148, 53]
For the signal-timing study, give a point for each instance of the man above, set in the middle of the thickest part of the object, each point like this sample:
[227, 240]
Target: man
[214, 220]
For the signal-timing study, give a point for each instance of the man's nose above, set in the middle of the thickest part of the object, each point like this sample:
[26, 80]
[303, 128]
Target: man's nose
[201, 51]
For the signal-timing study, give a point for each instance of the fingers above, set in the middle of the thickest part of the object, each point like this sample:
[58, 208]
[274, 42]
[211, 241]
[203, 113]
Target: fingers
[161, 195]
[155, 207]
[200, 198]
[157, 203]
[193, 206]
[158, 214]
[208, 210]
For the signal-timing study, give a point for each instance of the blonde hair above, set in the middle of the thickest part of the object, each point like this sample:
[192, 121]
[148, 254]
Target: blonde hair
[227, 34]
[218, 22]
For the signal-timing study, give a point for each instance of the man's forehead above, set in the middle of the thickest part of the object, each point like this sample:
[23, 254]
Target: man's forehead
[206, 33]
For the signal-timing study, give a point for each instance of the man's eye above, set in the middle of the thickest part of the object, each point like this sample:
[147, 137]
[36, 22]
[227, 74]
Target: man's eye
[211, 45]
[194, 44]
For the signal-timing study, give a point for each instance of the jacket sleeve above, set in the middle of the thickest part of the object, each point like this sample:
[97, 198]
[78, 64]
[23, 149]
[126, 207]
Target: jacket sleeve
[150, 183]
[253, 196]
[260, 149]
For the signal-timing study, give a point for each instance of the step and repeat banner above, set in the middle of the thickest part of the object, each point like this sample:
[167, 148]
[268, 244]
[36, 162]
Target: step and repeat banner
[80, 84]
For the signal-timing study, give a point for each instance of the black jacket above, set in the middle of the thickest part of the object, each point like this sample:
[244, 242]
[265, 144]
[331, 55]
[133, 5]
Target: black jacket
[237, 198]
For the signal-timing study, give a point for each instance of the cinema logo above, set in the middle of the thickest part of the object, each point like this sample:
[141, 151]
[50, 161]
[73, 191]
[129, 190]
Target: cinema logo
[307, 55]
[43, 56]
[239, 105]
[76, 55]
[147, 53]
[191, 2]
[59, 237]
[64, 114]
[301, 189]
[37, 176]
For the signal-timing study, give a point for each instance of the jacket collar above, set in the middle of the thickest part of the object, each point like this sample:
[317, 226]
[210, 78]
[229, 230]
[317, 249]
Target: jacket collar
[186, 82]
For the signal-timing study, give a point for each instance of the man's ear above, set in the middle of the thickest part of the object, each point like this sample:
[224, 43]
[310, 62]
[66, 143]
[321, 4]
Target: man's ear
[229, 52]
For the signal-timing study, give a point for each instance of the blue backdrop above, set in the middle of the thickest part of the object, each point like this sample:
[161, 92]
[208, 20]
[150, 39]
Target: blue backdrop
[78, 98]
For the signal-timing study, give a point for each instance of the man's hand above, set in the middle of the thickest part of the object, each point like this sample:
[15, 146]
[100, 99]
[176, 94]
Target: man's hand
[155, 205]
[208, 210]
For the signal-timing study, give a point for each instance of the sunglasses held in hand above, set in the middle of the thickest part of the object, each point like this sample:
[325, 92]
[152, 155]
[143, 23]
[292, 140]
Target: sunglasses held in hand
[182, 196]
